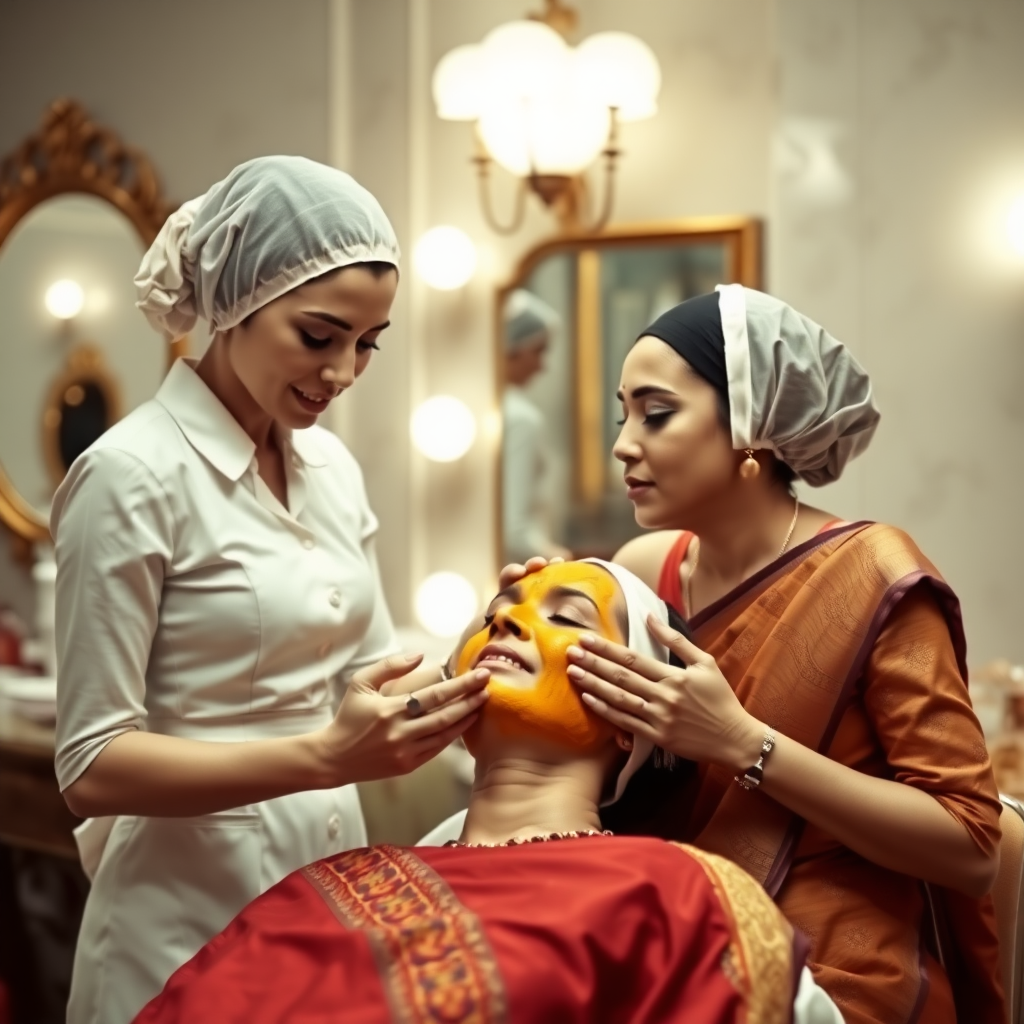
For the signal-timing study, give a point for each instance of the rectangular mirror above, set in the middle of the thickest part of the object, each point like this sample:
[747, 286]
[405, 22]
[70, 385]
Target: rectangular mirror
[564, 325]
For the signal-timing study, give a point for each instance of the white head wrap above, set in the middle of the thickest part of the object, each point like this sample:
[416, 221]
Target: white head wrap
[792, 387]
[641, 601]
[527, 319]
[272, 224]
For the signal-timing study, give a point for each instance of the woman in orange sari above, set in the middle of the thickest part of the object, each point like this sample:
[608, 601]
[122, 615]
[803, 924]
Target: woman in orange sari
[825, 701]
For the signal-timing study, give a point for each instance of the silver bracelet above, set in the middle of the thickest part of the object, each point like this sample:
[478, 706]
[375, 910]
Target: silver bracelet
[752, 777]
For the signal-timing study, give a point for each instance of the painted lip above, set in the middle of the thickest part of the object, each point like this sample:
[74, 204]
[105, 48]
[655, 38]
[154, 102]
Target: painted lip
[636, 488]
[493, 655]
[310, 402]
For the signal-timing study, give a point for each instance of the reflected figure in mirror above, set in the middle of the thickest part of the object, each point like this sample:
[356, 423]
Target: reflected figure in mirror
[529, 324]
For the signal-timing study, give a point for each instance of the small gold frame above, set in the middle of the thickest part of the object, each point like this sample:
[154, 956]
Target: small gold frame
[85, 365]
[71, 153]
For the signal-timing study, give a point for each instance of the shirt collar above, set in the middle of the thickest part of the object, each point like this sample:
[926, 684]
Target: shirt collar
[306, 445]
[213, 431]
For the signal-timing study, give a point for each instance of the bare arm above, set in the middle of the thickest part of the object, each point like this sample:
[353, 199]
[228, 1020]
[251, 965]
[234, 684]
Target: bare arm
[371, 737]
[928, 826]
[889, 823]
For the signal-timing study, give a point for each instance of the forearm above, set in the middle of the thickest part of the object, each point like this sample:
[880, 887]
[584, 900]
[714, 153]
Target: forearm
[889, 823]
[166, 776]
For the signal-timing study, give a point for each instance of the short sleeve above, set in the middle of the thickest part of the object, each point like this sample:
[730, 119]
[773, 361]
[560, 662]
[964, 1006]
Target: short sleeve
[114, 537]
[922, 715]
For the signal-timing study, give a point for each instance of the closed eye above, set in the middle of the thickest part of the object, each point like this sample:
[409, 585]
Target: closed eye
[566, 621]
[366, 346]
[312, 341]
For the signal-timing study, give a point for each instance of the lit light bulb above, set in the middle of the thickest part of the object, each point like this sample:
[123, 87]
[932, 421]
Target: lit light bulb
[522, 59]
[1015, 225]
[443, 428]
[622, 72]
[445, 258]
[65, 299]
[456, 84]
[445, 602]
[563, 133]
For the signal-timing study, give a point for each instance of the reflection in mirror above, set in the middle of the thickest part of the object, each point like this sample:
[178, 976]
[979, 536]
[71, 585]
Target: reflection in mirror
[567, 322]
[86, 240]
[84, 402]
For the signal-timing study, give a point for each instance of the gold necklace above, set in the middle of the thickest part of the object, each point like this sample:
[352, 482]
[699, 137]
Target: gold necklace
[696, 558]
[546, 838]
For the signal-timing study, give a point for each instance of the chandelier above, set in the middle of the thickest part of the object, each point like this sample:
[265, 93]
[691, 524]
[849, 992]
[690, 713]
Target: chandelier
[545, 110]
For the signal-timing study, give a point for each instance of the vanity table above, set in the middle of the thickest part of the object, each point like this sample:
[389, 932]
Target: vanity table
[33, 814]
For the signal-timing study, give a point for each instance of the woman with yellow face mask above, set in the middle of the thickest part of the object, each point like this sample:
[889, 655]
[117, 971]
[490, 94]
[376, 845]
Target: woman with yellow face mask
[535, 913]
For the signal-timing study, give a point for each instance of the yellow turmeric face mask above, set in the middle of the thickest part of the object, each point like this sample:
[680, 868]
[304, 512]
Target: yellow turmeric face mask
[530, 627]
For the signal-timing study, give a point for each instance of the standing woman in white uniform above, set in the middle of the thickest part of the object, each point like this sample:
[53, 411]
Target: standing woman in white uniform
[216, 579]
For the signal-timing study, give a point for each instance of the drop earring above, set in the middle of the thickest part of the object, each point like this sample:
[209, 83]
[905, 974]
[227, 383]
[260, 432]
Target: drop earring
[749, 467]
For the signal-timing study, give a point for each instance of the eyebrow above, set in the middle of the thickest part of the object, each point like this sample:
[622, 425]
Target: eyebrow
[338, 322]
[573, 592]
[647, 389]
[515, 593]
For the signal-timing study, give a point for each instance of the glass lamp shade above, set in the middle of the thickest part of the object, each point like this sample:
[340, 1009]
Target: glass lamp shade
[521, 60]
[620, 71]
[457, 84]
[562, 133]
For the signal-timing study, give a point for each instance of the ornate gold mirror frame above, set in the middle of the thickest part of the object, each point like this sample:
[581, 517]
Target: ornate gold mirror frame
[70, 153]
[741, 241]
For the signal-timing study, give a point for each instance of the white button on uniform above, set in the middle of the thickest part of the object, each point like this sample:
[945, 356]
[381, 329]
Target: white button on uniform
[323, 650]
[308, 543]
[333, 826]
[335, 598]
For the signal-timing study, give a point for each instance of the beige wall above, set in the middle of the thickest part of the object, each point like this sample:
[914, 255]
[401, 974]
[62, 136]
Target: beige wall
[891, 243]
[905, 259]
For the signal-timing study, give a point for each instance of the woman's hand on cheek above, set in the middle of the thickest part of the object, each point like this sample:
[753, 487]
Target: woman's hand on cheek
[691, 712]
[380, 730]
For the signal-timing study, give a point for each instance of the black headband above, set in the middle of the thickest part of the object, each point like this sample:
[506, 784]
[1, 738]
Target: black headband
[694, 330]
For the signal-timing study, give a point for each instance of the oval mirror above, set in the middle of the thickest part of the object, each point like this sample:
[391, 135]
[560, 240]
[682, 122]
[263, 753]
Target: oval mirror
[77, 210]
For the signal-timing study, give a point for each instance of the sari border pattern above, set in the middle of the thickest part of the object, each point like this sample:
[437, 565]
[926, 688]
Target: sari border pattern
[762, 953]
[433, 956]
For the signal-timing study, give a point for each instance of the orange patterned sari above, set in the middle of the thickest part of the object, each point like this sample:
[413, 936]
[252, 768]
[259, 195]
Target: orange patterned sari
[597, 930]
[853, 645]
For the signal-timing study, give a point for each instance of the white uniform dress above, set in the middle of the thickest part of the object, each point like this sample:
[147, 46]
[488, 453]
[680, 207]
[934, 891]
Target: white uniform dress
[191, 603]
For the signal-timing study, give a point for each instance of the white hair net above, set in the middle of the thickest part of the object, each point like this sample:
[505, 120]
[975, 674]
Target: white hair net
[526, 319]
[272, 224]
[641, 601]
[792, 387]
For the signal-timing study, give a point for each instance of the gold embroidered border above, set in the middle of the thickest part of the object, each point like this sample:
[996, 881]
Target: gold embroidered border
[761, 954]
[434, 959]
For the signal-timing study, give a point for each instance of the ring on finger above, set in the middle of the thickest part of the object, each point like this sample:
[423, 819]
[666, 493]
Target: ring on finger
[413, 707]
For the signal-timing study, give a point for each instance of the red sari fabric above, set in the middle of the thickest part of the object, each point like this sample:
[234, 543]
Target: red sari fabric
[590, 930]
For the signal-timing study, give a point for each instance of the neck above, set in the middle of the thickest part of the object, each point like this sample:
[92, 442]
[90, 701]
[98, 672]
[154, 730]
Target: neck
[217, 373]
[744, 532]
[516, 797]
